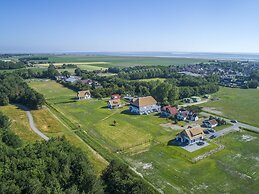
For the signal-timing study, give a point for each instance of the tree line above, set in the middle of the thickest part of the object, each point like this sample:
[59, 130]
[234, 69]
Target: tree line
[5, 65]
[14, 89]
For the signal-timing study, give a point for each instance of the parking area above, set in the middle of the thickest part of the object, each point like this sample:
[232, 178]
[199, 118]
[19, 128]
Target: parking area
[193, 147]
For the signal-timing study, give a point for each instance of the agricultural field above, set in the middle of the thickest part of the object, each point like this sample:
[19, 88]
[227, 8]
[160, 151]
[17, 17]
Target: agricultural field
[119, 61]
[89, 66]
[237, 104]
[52, 91]
[143, 143]
[151, 79]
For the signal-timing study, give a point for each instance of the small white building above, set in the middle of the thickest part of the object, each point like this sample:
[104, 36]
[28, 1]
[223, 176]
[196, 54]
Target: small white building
[210, 123]
[82, 95]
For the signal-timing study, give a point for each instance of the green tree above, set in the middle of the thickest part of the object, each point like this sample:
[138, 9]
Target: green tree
[4, 100]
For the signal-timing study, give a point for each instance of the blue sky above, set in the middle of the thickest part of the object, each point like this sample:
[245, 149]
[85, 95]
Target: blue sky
[129, 25]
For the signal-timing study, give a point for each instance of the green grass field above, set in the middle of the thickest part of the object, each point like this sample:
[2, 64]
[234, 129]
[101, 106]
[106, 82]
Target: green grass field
[142, 142]
[151, 79]
[19, 123]
[46, 122]
[232, 170]
[237, 104]
[109, 61]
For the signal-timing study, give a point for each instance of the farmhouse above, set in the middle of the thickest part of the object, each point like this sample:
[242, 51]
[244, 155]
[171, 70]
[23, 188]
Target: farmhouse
[72, 79]
[182, 115]
[190, 135]
[192, 116]
[87, 82]
[116, 103]
[115, 96]
[144, 105]
[210, 123]
[167, 111]
[60, 77]
[83, 95]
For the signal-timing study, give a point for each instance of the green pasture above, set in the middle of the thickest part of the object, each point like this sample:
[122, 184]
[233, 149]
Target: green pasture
[120, 61]
[238, 104]
[143, 143]
[232, 170]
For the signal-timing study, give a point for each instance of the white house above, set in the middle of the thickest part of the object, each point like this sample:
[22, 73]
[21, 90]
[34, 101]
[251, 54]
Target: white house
[81, 95]
[210, 123]
[190, 135]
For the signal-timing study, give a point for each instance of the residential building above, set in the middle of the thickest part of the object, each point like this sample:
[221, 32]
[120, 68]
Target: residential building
[210, 123]
[192, 116]
[167, 111]
[87, 82]
[144, 105]
[115, 96]
[182, 115]
[81, 95]
[72, 79]
[112, 104]
[190, 135]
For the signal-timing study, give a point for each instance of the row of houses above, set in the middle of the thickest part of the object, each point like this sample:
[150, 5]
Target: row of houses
[195, 134]
[74, 79]
[147, 105]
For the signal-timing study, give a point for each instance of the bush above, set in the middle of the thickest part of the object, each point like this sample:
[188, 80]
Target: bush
[10, 139]
[119, 179]
[4, 121]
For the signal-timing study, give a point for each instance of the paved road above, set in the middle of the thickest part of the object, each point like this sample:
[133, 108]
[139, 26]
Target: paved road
[31, 122]
[235, 126]
[194, 103]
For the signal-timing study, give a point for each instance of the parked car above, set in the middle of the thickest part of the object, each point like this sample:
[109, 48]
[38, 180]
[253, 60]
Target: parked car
[200, 143]
[206, 131]
[233, 121]
[211, 130]
[213, 136]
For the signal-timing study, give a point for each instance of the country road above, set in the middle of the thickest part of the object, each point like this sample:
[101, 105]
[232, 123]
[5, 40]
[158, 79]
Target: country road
[31, 122]
[193, 103]
[235, 126]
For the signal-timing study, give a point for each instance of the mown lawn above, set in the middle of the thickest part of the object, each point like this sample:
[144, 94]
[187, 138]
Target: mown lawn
[53, 91]
[237, 104]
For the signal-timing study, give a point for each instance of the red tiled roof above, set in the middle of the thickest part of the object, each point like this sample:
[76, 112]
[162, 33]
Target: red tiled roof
[115, 96]
[170, 109]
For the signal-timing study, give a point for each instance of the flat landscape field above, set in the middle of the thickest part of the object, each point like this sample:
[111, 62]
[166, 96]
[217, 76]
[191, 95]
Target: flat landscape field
[89, 66]
[143, 143]
[121, 61]
[237, 104]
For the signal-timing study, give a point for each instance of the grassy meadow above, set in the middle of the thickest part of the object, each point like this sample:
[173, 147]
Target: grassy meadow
[120, 61]
[19, 123]
[142, 142]
[237, 104]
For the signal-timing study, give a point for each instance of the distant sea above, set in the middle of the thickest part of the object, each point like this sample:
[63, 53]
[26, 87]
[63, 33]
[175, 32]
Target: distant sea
[198, 55]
